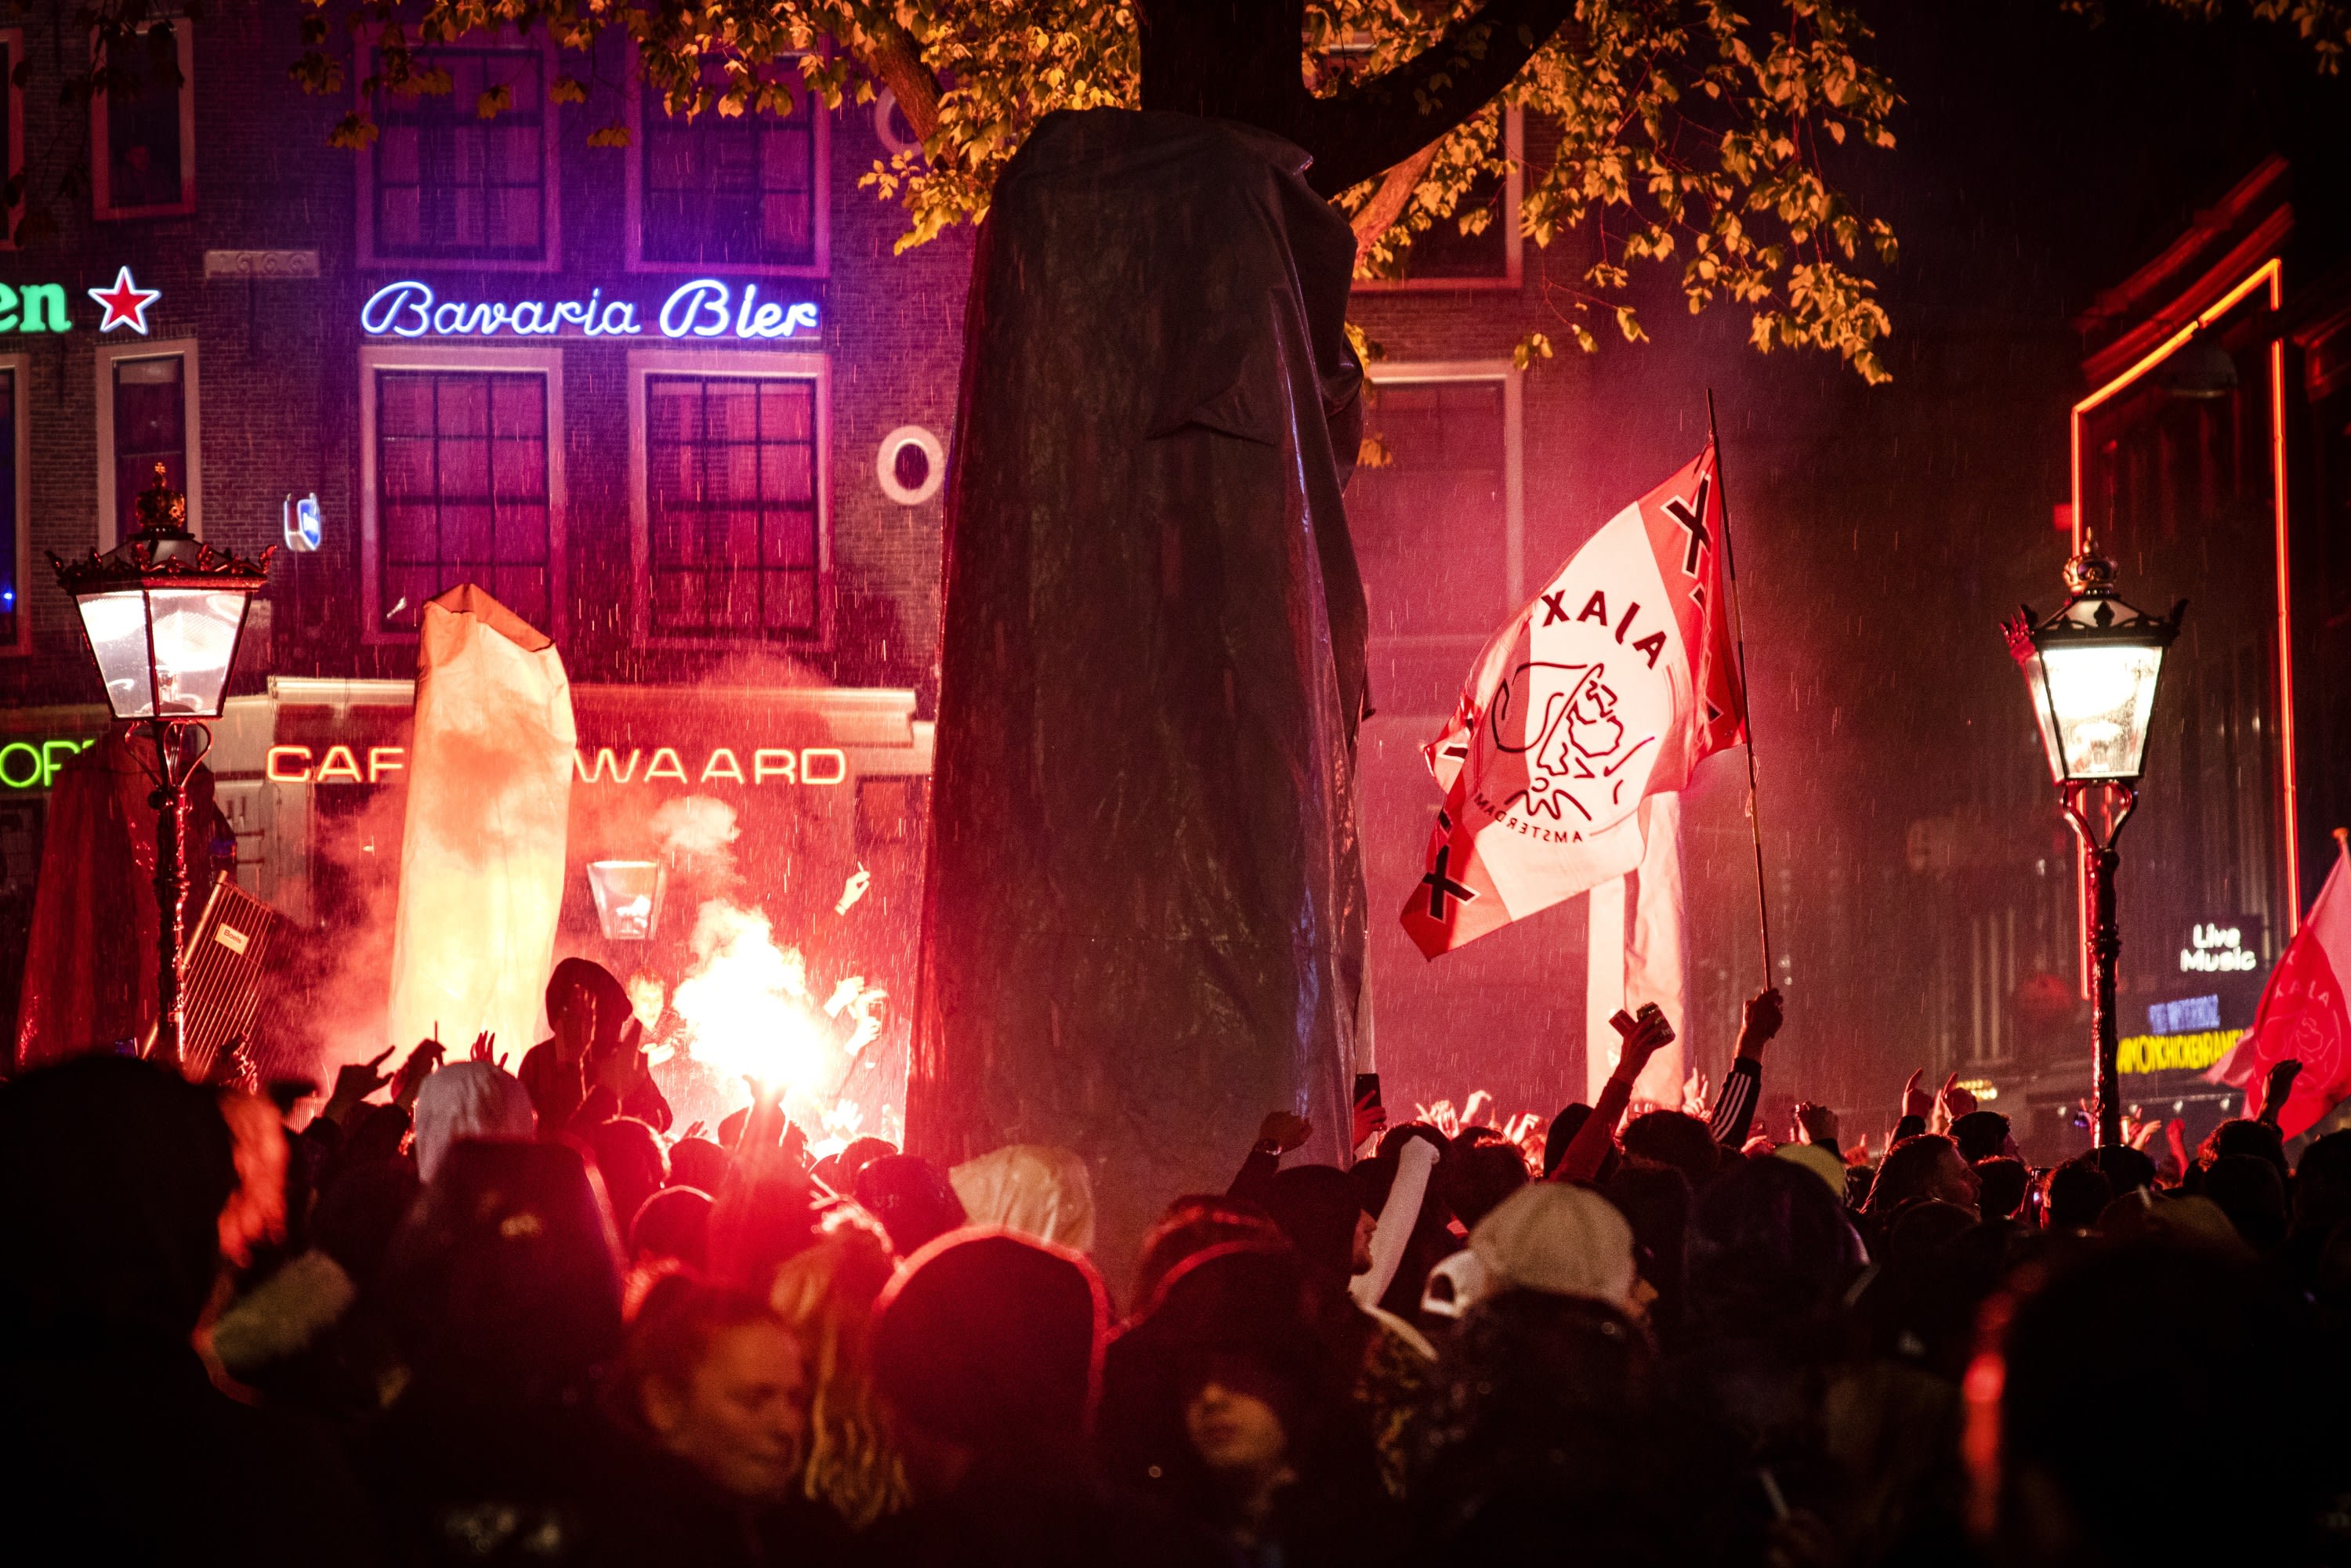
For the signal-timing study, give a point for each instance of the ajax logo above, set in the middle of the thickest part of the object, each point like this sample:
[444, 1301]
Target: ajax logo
[1572, 735]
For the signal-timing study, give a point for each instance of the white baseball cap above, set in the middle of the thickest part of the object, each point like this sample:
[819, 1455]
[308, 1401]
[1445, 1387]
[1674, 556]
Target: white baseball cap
[1560, 1239]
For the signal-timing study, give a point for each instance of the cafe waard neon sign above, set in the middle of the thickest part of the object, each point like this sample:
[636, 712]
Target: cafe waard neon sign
[702, 309]
[818, 765]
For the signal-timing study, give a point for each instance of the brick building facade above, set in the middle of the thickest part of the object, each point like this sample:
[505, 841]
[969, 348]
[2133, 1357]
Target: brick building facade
[257, 376]
[456, 341]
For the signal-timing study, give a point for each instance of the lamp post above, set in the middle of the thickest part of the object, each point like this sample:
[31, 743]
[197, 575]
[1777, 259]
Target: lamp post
[2092, 669]
[163, 613]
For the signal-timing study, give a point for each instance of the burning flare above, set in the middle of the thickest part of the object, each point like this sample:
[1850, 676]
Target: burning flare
[745, 1009]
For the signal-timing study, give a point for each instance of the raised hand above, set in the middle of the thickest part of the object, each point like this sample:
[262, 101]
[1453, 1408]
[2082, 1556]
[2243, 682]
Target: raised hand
[1956, 1102]
[420, 1066]
[1696, 1092]
[1938, 1119]
[1916, 1099]
[481, 1051]
[1759, 1021]
[1643, 1037]
[1284, 1131]
[2277, 1086]
[1371, 1118]
[1816, 1124]
[354, 1081]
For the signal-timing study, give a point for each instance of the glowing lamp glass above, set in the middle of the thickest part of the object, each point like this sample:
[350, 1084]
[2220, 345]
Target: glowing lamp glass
[165, 652]
[2098, 700]
[2090, 670]
[628, 897]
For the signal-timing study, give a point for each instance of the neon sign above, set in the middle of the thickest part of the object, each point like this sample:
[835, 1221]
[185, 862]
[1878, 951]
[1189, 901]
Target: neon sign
[125, 303]
[2184, 1017]
[2173, 1052]
[41, 307]
[2216, 950]
[704, 308]
[33, 764]
[818, 765]
[33, 307]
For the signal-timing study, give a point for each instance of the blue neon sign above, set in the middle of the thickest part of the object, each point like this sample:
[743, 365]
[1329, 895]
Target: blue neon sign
[704, 308]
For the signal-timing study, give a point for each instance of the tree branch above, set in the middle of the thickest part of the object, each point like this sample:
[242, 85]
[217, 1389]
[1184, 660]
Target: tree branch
[1381, 123]
[1387, 203]
[893, 58]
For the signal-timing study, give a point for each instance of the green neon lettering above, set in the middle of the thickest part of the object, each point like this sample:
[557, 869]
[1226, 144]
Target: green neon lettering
[31, 780]
[44, 307]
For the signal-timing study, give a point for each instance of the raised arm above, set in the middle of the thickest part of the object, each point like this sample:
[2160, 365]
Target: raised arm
[1280, 1133]
[1588, 1150]
[2276, 1086]
[1742, 1086]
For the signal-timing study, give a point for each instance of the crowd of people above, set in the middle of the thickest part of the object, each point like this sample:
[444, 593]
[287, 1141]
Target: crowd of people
[468, 1315]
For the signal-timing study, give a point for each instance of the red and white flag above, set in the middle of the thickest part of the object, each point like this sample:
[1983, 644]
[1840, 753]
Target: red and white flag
[2303, 1015]
[1609, 687]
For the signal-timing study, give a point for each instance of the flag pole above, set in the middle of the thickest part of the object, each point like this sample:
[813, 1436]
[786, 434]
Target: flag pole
[1746, 695]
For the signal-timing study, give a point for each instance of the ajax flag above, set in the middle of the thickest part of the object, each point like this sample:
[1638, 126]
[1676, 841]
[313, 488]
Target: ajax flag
[2303, 1016]
[1609, 687]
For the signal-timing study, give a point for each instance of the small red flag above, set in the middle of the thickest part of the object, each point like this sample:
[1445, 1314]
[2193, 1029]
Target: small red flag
[2303, 1016]
[1611, 684]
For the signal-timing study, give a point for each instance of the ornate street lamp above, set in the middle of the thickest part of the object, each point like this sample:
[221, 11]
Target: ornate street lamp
[163, 612]
[2092, 668]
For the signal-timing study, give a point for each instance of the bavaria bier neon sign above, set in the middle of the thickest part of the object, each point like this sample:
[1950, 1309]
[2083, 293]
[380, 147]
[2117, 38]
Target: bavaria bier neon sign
[704, 308]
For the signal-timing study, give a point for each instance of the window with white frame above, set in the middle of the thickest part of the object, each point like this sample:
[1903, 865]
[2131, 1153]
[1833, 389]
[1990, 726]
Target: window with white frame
[1438, 525]
[462, 488]
[147, 415]
[745, 192]
[442, 183]
[729, 502]
[142, 135]
[1442, 256]
[15, 555]
[12, 129]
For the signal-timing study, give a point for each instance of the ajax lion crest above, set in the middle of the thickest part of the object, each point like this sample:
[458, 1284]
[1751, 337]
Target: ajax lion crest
[1563, 719]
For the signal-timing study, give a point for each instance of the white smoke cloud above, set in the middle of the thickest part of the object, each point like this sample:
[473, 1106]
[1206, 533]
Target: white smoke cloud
[699, 826]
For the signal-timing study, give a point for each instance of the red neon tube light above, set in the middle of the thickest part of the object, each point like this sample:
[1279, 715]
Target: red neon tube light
[2271, 273]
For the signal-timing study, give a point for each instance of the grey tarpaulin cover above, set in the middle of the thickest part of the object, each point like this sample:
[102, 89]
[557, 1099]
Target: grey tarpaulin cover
[1144, 924]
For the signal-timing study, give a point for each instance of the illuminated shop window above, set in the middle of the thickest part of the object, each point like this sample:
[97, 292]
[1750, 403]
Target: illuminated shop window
[462, 491]
[12, 520]
[731, 506]
[147, 407]
[744, 190]
[142, 138]
[447, 184]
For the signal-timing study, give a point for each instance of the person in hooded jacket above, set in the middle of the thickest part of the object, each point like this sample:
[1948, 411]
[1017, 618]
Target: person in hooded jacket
[502, 1294]
[987, 1347]
[1223, 1399]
